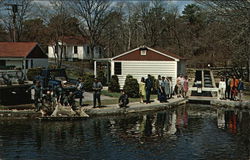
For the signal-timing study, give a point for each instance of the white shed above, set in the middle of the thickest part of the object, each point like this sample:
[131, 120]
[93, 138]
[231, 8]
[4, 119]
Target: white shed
[22, 55]
[142, 61]
[74, 48]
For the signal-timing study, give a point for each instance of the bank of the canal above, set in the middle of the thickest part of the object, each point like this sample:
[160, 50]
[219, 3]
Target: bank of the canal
[107, 110]
[28, 111]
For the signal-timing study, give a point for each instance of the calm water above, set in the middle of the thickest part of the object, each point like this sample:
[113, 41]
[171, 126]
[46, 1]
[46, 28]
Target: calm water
[188, 132]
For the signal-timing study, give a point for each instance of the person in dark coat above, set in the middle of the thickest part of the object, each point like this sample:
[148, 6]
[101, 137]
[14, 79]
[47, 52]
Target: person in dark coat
[149, 86]
[228, 88]
[97, 87]
[38, 95]
[80, 90]
[158, 87]
[123, 100]
[240, 89]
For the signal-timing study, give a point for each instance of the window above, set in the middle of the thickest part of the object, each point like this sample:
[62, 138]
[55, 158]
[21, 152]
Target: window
[27, 64]
[88, 50]
[143, 52]
[75, 50]
[2, 63]
[100, 51]
[56, 49]
[31, 63]
[118, 68]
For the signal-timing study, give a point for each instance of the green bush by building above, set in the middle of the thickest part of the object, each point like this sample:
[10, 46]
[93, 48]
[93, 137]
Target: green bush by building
[114, 85]
[131, 87]
[88, 80]
[33, 72]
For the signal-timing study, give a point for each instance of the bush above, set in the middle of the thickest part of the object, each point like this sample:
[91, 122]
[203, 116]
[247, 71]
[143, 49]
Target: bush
[101, 76]
[131, 87]
[114, 85]
[33, 72]
[88, 81]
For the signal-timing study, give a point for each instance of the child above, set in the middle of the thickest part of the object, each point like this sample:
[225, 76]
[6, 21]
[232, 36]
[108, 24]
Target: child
[123, 100]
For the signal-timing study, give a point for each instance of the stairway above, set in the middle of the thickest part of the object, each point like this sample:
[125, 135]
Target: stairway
[208, 79]
[204, 81]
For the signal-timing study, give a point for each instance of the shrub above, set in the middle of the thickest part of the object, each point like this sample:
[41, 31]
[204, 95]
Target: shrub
[101, 76]
[33, 72]
[114, 85]
[131, 87]
[88, 81]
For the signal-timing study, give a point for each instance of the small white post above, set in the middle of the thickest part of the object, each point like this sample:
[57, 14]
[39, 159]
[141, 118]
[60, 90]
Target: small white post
[95, 69]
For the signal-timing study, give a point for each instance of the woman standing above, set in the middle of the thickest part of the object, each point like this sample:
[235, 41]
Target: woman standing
[142, 89]
[167, 88]
[185, 86]
[222, 88]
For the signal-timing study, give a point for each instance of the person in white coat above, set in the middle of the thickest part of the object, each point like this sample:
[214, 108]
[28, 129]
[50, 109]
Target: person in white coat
[222, 88]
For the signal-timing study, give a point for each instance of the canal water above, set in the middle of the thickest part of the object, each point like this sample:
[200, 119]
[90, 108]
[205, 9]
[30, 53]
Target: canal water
[187, 132]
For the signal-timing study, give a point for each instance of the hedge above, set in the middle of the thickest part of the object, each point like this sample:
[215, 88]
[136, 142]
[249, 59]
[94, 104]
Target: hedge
[131, 87]
[114, 85]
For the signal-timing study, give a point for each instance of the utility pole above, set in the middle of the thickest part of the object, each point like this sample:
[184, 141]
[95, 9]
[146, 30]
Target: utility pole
[14, 11]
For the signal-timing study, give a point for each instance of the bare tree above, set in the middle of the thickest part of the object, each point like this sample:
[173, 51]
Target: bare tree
[236, 14]
[92, 14]
[13, 22]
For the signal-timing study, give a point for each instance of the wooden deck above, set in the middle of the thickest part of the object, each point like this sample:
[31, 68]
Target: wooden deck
[200, 98]
[49, 118]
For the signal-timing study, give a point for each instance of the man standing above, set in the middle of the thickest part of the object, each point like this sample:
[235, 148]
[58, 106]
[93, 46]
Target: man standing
[80, 90]
[38, 94]
[149, 86]
[240, 89]
[158, 87]
[228, 88]
[97, 87]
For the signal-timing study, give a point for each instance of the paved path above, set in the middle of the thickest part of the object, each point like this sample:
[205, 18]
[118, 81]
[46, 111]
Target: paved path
[136, 107]
[88, 96]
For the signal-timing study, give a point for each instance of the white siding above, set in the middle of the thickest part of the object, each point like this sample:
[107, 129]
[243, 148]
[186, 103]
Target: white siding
[40, 62]
[16, 63]
[81, 52]
[51, 52]
[140, 69]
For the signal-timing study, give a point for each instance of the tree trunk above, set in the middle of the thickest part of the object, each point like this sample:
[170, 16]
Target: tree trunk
[248, 69]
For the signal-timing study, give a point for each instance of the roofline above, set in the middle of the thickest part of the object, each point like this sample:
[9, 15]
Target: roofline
[125, 53]
[176, 59]
[36, 44]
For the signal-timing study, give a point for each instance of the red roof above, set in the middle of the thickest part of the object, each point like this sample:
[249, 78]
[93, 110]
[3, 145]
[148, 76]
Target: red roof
[169, 53]
[151, 55]
[16, 49]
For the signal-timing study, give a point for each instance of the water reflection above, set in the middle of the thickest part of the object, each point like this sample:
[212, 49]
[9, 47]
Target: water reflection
[234, 121]
[187, 132]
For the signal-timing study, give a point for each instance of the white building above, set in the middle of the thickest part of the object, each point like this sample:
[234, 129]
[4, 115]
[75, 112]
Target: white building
[142, 61]
[74, 48]
[22, 55]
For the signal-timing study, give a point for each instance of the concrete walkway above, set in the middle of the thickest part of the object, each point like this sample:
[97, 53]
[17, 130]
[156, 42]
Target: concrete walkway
[230, 104]
[88, 96]
[133, 108]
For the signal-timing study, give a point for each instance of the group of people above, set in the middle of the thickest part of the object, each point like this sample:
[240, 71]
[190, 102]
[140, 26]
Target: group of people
[49, 97]
[60, 94]
[231, 88]
[164, 87]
